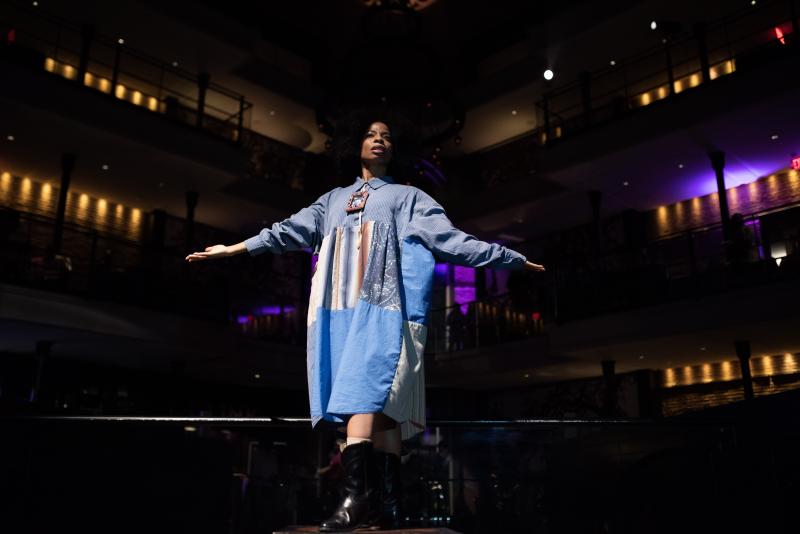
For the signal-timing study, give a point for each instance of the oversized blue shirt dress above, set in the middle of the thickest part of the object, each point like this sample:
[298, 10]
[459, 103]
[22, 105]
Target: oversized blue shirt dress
[370, 294]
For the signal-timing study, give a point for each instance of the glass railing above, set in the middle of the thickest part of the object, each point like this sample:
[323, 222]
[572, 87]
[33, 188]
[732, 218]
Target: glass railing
[232, 475]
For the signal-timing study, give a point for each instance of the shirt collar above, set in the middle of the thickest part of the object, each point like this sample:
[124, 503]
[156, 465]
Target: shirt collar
[375, 182]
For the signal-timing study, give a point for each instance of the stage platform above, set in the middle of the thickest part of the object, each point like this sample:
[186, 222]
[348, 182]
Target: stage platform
[432, 530]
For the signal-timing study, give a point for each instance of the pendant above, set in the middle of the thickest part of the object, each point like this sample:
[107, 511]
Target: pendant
[357, 201]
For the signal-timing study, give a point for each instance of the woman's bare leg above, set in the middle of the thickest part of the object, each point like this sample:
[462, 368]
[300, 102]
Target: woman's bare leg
[388, 440]
[381, 429]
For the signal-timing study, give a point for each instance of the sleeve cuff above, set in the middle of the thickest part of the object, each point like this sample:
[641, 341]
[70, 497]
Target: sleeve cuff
[254, 245]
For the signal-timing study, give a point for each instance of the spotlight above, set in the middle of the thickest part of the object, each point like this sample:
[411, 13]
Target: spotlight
[121, 41]
[548, 74]
[680, 165]
[174, 63]
[257, 376]
[612, 63]
[626, 183]
[105, 167]
[668, 27]
[272, 112]
[513, 111]
[774, 137]
[10, 137]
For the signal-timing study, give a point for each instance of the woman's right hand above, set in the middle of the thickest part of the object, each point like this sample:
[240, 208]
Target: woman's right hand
[217, 251]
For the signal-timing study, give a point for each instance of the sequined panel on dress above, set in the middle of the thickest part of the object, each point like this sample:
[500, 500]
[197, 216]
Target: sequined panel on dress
[382, 278]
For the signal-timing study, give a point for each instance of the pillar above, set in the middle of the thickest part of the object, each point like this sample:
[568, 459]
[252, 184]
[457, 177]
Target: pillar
[702, 50]
[115, 69]
[743, 353]
[67, 165]
[718, 164]
[87, 36]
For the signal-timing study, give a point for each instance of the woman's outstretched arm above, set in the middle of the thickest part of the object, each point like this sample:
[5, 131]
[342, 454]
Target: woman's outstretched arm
[299, 231]
[430, 225]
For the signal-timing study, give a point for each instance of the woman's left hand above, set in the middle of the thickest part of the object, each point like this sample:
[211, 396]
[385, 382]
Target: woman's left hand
[530, 266]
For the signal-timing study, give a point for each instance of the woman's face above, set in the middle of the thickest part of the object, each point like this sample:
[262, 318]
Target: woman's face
[376, 146]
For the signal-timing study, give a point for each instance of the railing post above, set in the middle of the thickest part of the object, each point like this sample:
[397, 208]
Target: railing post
[702, 50]
[202, 87]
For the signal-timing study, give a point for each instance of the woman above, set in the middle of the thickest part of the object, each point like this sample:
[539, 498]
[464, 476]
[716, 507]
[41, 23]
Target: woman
[370, 294]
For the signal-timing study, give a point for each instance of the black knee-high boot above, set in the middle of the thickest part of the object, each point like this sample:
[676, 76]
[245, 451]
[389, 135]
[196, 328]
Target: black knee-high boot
[391, 486]
[359, 506]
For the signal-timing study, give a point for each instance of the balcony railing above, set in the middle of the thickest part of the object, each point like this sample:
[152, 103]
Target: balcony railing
[111, 66]
[686, 58]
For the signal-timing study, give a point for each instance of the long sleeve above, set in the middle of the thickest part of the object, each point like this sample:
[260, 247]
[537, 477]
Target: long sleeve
[429, 223]
[303, 229]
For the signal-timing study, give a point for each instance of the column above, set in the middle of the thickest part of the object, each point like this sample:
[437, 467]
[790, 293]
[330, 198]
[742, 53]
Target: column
[702, 50]
[718, 164]
[67, 165]
[87, 36]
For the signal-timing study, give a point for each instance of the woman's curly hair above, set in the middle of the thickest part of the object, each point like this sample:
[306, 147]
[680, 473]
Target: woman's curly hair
[349, 134]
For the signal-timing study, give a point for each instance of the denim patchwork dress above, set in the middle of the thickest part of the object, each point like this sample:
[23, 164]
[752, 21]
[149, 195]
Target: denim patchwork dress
[370, 294]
